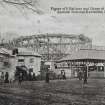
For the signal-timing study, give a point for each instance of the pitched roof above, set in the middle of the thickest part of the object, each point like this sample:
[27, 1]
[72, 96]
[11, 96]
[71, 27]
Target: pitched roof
[27, 52]
[86, 54]
[5, 51]
[22, 52]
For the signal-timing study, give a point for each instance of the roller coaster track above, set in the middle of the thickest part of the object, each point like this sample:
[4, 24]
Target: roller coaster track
[52, 45]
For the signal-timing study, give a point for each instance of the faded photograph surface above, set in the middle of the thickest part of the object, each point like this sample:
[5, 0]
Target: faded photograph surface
[52, 52]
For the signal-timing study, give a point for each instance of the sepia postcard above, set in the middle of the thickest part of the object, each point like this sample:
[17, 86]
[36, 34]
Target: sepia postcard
[52, 52]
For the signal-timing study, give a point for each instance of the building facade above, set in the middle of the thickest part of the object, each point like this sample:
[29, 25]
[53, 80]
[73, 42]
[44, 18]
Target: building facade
[93, 61]
[9, 62]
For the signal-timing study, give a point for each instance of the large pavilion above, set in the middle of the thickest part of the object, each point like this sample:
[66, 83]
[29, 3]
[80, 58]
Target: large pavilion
[82, 58]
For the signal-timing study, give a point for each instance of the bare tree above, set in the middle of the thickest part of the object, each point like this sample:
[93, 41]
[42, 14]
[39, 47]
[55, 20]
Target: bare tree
[29, 4]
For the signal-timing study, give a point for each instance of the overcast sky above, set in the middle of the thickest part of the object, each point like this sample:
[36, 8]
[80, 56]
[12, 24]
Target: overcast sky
[22, 21]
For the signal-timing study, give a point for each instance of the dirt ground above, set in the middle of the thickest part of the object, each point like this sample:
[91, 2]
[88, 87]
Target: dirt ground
[57, 92]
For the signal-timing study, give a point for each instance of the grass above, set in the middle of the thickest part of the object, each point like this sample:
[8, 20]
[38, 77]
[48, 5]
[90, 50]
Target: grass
[57, 92]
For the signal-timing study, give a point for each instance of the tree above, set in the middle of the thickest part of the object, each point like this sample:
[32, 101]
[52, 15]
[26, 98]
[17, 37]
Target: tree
[29, 4]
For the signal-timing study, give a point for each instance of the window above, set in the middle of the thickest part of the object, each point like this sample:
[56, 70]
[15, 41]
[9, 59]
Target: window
[1, 59]
[55, 66]
[6, 64]
[30, 69]
[100, 68]
[31, 60]
[20, 60]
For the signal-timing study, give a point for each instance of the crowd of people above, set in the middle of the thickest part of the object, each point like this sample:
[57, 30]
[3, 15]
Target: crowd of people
[82, 75]
[62, 76]
[29, 77]
[4, 78]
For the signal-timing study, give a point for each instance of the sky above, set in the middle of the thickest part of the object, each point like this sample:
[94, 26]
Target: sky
[17, 20]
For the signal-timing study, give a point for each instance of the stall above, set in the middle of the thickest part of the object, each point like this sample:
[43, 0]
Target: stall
[82, 60]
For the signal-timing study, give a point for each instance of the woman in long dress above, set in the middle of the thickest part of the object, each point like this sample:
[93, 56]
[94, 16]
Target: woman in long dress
[2, 77]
